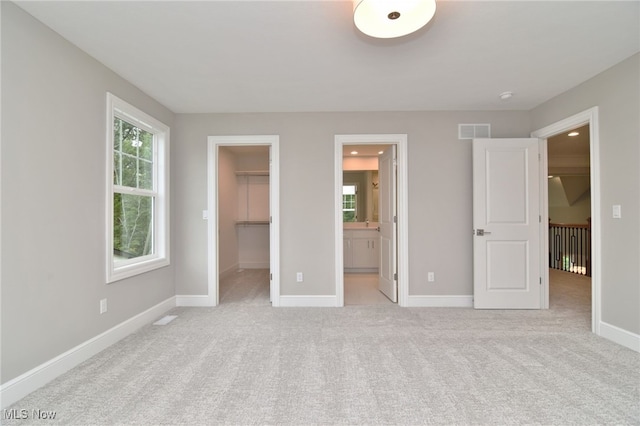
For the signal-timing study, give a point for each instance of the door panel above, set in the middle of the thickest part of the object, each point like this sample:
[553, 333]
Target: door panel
[506, 224]
[387, 282]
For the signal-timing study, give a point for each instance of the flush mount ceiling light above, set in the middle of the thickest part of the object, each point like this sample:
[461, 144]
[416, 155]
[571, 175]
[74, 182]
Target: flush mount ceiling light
[574, 133]
[505, 95]
[392, 18]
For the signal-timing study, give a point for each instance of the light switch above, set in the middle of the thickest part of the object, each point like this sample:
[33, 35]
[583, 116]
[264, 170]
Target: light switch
[617, 211]
[205, 214]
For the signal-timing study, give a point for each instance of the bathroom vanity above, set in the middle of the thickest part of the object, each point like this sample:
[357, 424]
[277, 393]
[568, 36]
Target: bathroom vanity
[361, 249]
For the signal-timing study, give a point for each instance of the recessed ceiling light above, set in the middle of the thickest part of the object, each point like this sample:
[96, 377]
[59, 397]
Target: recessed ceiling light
[505, 95]
[573, 134]
[550, 176]
[380, 152]
[354, 152]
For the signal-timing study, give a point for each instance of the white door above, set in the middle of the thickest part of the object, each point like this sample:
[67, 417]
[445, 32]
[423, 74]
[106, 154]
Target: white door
[506, 224]
[387, 281]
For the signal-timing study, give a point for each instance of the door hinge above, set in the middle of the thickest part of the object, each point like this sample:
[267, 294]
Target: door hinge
[270, 276]
[270, 219]
[395, 219]
[540, 280]
[539, 157]
[539, 219]
[395, 276]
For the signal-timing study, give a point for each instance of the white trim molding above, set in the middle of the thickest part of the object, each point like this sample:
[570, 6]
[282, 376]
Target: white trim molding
[308, 301]
[589, 117]
[620, 336]
[441, 301]
[21, 386]
[118, 269]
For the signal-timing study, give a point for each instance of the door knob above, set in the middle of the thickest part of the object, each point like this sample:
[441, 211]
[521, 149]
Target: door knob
[481, 232]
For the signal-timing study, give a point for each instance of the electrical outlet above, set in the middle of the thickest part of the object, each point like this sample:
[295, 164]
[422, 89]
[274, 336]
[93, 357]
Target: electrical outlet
[103, 306]
[431, 277]
[299, 277]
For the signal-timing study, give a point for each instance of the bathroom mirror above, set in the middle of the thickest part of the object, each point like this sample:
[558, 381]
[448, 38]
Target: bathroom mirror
[360, 195]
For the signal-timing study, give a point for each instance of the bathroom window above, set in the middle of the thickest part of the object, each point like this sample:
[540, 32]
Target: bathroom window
[137, 204]
[349, 203]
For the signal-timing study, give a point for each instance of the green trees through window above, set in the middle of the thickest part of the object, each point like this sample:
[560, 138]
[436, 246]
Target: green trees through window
[137, 191]
[349, 203]
[132, 172]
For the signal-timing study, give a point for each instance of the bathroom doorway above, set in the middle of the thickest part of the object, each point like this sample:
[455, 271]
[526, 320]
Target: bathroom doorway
[361, 216]
[371, 225]
[243, 220]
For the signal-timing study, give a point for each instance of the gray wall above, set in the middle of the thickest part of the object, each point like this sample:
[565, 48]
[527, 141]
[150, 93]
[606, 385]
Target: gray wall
[617, 94]
[439, 192]
[53, 193]
[53, 197]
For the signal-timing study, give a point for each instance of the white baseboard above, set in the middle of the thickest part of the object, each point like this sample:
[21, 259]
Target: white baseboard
[195, 300]
[620, 336]
[16, 389]
[440, 302]
[308, 301]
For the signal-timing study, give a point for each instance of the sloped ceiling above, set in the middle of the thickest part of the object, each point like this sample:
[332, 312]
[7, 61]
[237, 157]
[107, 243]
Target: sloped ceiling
[569, 155]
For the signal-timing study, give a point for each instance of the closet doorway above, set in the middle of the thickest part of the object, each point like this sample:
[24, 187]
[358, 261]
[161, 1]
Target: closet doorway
[243, 220]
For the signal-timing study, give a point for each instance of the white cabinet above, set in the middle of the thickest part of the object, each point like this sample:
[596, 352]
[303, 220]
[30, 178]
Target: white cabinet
[361, 250]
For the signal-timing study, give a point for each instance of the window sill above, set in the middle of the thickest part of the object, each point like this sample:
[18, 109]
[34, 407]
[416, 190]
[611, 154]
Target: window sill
[122, 272]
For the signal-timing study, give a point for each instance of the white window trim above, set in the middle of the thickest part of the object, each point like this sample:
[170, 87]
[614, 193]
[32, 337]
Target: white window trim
[116, 107]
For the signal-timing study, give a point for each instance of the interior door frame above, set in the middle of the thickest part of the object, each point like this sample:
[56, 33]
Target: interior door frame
[213, 143]
[589, 117]
[402, 193]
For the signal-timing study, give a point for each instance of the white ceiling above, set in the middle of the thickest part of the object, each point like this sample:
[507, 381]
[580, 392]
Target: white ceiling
[282, 56]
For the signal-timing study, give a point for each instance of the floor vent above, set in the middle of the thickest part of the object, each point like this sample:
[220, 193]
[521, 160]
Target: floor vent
[165, 320]
[470, 131]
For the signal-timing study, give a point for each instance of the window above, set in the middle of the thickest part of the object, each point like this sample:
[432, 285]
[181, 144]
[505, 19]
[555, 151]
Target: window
[349, 203]
[138, 199]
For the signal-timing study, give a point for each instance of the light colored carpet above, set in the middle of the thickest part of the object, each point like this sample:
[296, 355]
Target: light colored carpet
[246, 363]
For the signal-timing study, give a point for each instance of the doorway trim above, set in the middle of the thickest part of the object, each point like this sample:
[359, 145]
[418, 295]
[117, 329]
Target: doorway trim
[213, 143]
[589, 117]
[402, 193]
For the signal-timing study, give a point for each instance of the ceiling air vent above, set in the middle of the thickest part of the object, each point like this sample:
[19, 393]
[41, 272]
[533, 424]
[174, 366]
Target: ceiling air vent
[470, 131]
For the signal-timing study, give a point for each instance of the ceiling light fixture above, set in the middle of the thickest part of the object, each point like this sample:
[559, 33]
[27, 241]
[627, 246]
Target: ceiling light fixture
[573, 134]
[505, 95]
[354, 152]
[392, 18]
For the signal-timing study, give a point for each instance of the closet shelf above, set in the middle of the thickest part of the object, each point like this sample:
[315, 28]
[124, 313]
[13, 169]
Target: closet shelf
[252, 222]
[252, 173]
